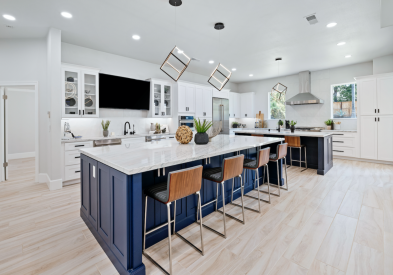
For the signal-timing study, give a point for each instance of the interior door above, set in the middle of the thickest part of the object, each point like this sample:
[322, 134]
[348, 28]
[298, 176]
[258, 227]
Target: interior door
[385, 96]
[368, 97]
[385, 134]
[3, 136]
[369, 137]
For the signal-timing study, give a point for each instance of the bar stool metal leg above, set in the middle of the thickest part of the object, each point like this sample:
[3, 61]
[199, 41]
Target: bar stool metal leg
[242, 200]
[265, 171]
[168, 207]
[278, 180]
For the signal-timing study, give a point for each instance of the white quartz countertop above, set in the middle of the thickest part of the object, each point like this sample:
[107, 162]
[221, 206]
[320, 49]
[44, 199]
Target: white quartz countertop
[284, 133]
[158, 154]
[345, 131]
[112, 137]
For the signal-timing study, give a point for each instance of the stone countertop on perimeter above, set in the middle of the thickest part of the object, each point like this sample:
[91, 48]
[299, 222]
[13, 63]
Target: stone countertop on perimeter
[112, 137]
[158, 154]
[284, 133]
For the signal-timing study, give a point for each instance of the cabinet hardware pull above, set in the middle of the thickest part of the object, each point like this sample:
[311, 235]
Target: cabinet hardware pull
[375, 119]
[246, 114]
[78, 157]
[378, 119]
[378, 111]
[375, 110]
[79, 145]
[339, 141]
[77, 171]
[337, 134]
[79, 112]
[338, 151]
[83, 112]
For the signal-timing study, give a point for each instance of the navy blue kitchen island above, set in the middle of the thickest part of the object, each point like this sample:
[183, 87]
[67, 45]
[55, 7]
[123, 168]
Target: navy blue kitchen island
[113, 179]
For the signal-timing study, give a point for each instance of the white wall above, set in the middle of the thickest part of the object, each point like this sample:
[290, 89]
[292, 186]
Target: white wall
[21, 123]
[25, 60]
[306, 115]
[383, 64]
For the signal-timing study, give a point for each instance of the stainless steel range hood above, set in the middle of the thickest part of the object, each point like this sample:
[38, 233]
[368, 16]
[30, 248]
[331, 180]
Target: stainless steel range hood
[304, 97]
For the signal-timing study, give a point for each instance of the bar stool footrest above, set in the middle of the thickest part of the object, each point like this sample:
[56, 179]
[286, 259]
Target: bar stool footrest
[238, 205]
[188, 242]
[230, 216]
[257, 198]
[155, 263]
[213, 230]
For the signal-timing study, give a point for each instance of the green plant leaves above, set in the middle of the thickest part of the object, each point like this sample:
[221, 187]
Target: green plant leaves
[202, 127]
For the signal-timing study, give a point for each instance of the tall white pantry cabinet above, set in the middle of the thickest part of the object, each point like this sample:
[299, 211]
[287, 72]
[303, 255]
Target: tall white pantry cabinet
[375, 116]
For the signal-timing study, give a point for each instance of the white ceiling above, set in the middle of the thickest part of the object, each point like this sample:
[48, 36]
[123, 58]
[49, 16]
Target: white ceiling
[257, 31]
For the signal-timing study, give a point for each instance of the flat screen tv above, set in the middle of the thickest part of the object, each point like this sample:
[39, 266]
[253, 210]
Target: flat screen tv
[118, 92]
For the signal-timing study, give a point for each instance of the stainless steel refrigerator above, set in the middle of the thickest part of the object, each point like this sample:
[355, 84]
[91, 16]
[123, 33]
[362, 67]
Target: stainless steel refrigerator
[221, 113]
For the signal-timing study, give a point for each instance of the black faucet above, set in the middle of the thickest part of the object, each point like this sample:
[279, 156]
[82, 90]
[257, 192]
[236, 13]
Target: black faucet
[133, 130]
[125, 127]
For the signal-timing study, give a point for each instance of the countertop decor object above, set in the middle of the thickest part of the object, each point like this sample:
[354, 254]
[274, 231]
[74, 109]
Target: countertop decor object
[70, 102]
[105, 126]
[184, 134]
[235, 124]
[214, 130]
[329, 123]
[292, 124]
[337, 125]
[202, 137]
[88, 101]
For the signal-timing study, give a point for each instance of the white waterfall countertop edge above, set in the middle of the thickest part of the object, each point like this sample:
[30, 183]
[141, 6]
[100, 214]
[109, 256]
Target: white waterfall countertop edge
[285, 133]
[131, 159]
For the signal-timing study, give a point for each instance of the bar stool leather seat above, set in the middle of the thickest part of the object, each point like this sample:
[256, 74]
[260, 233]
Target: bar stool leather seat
[213, 174]
[252, 163]
[158, 192]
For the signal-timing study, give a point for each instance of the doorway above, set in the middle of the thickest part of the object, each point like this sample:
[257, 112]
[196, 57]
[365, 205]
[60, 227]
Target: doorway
[18, 130]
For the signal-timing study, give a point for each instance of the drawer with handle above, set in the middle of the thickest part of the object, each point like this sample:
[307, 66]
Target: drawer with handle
[343, 142]
[72, 157]
[72, 172]
[78, 145]
[344, 134]
[345, 152]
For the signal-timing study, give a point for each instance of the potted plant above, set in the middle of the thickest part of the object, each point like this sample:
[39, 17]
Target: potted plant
[329, 123]
[337, 125]
[292, 123]
[235, 124]
[202, 137]
[105, 127]
[281, 123]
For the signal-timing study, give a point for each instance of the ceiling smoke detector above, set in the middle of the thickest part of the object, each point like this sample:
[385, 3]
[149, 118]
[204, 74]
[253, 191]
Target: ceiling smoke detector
[9, 26]
[312, 19]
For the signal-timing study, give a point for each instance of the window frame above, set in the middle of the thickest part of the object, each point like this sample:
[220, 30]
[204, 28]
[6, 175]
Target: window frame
[331, 100]
[269, 110]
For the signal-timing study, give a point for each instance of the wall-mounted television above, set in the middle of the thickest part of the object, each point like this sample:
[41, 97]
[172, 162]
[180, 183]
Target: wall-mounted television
[118, 92]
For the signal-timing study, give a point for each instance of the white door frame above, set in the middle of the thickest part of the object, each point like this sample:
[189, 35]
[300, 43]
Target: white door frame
[9, 84]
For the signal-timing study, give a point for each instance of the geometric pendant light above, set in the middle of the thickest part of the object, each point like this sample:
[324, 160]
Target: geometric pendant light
[221, 75]
[279, 88]
[177, 61]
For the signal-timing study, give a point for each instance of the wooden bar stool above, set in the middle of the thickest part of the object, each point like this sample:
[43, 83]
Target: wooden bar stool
[295, 142]
[231, 167]
[254, 164]
[180, 184]
[281, 153]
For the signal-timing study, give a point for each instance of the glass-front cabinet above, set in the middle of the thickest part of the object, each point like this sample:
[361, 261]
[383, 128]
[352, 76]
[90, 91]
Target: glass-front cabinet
[160, 98]
[80, 94]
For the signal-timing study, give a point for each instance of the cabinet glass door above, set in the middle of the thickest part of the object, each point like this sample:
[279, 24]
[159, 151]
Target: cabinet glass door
[71, 93]
[90, 104]
[157, 99]
[167, 100]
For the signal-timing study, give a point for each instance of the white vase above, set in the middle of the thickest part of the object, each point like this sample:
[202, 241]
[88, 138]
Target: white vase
[337, 126]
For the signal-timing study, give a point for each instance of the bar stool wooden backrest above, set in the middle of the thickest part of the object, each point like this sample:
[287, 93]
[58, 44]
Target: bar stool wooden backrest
[184, 182]
[282, 150]
[263, 156]
[232, 167]
[292, 141]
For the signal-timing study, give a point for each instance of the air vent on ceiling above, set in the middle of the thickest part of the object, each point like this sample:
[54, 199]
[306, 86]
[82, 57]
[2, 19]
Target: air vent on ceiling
[9, 26]
[312, 19]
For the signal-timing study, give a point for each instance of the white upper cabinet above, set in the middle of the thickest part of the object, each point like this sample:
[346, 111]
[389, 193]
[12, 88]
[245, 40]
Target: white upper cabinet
[234, 105]
[80, 91]
[367, 97]
[203, 102]
[385, 136]
[161, 97]
[385, 95]
[224, 93]
[186, 98]
[247, 105]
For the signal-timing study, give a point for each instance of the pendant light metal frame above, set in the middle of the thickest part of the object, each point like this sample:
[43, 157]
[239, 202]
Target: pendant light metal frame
[220, 26]
[180, 72]
[276, 88]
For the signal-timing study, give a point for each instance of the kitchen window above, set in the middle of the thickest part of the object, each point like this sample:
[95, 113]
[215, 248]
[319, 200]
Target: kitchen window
[276, 106]
[344, 101]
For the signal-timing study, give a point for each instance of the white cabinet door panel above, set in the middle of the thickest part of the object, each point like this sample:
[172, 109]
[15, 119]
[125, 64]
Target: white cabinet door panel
[182, 93]
[237, 105]
[208, 102]
[367, 97]
[369, 137]
[199, 102]
[385, 96]
[231, 105]
[190, 99]
[385, 137]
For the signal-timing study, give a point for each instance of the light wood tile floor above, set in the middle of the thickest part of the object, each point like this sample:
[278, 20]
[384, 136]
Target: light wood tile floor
[340, 223]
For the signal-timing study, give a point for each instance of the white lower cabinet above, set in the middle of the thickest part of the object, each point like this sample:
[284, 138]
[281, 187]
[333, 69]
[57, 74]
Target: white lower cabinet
[385, 138]
[71, 159]
[369, 137]
[345, 144]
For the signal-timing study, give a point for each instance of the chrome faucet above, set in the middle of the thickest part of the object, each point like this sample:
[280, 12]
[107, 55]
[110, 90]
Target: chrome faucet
[125, 127]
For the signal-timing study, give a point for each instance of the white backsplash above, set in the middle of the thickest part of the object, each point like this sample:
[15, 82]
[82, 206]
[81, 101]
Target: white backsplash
[91, 127]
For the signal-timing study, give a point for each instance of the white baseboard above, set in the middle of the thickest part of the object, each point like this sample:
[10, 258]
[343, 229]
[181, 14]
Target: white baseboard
[364, 160]
[21, 155]
[52, 184]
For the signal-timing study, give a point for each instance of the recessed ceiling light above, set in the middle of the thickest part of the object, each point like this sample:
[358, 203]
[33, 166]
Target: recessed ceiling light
[348, 56]
[9, 17]
[331, 25]
[179, 51]
[136, 37]
[251, 75]
[234, 69]
[341, 43]
[211, 61]
[66, 14]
